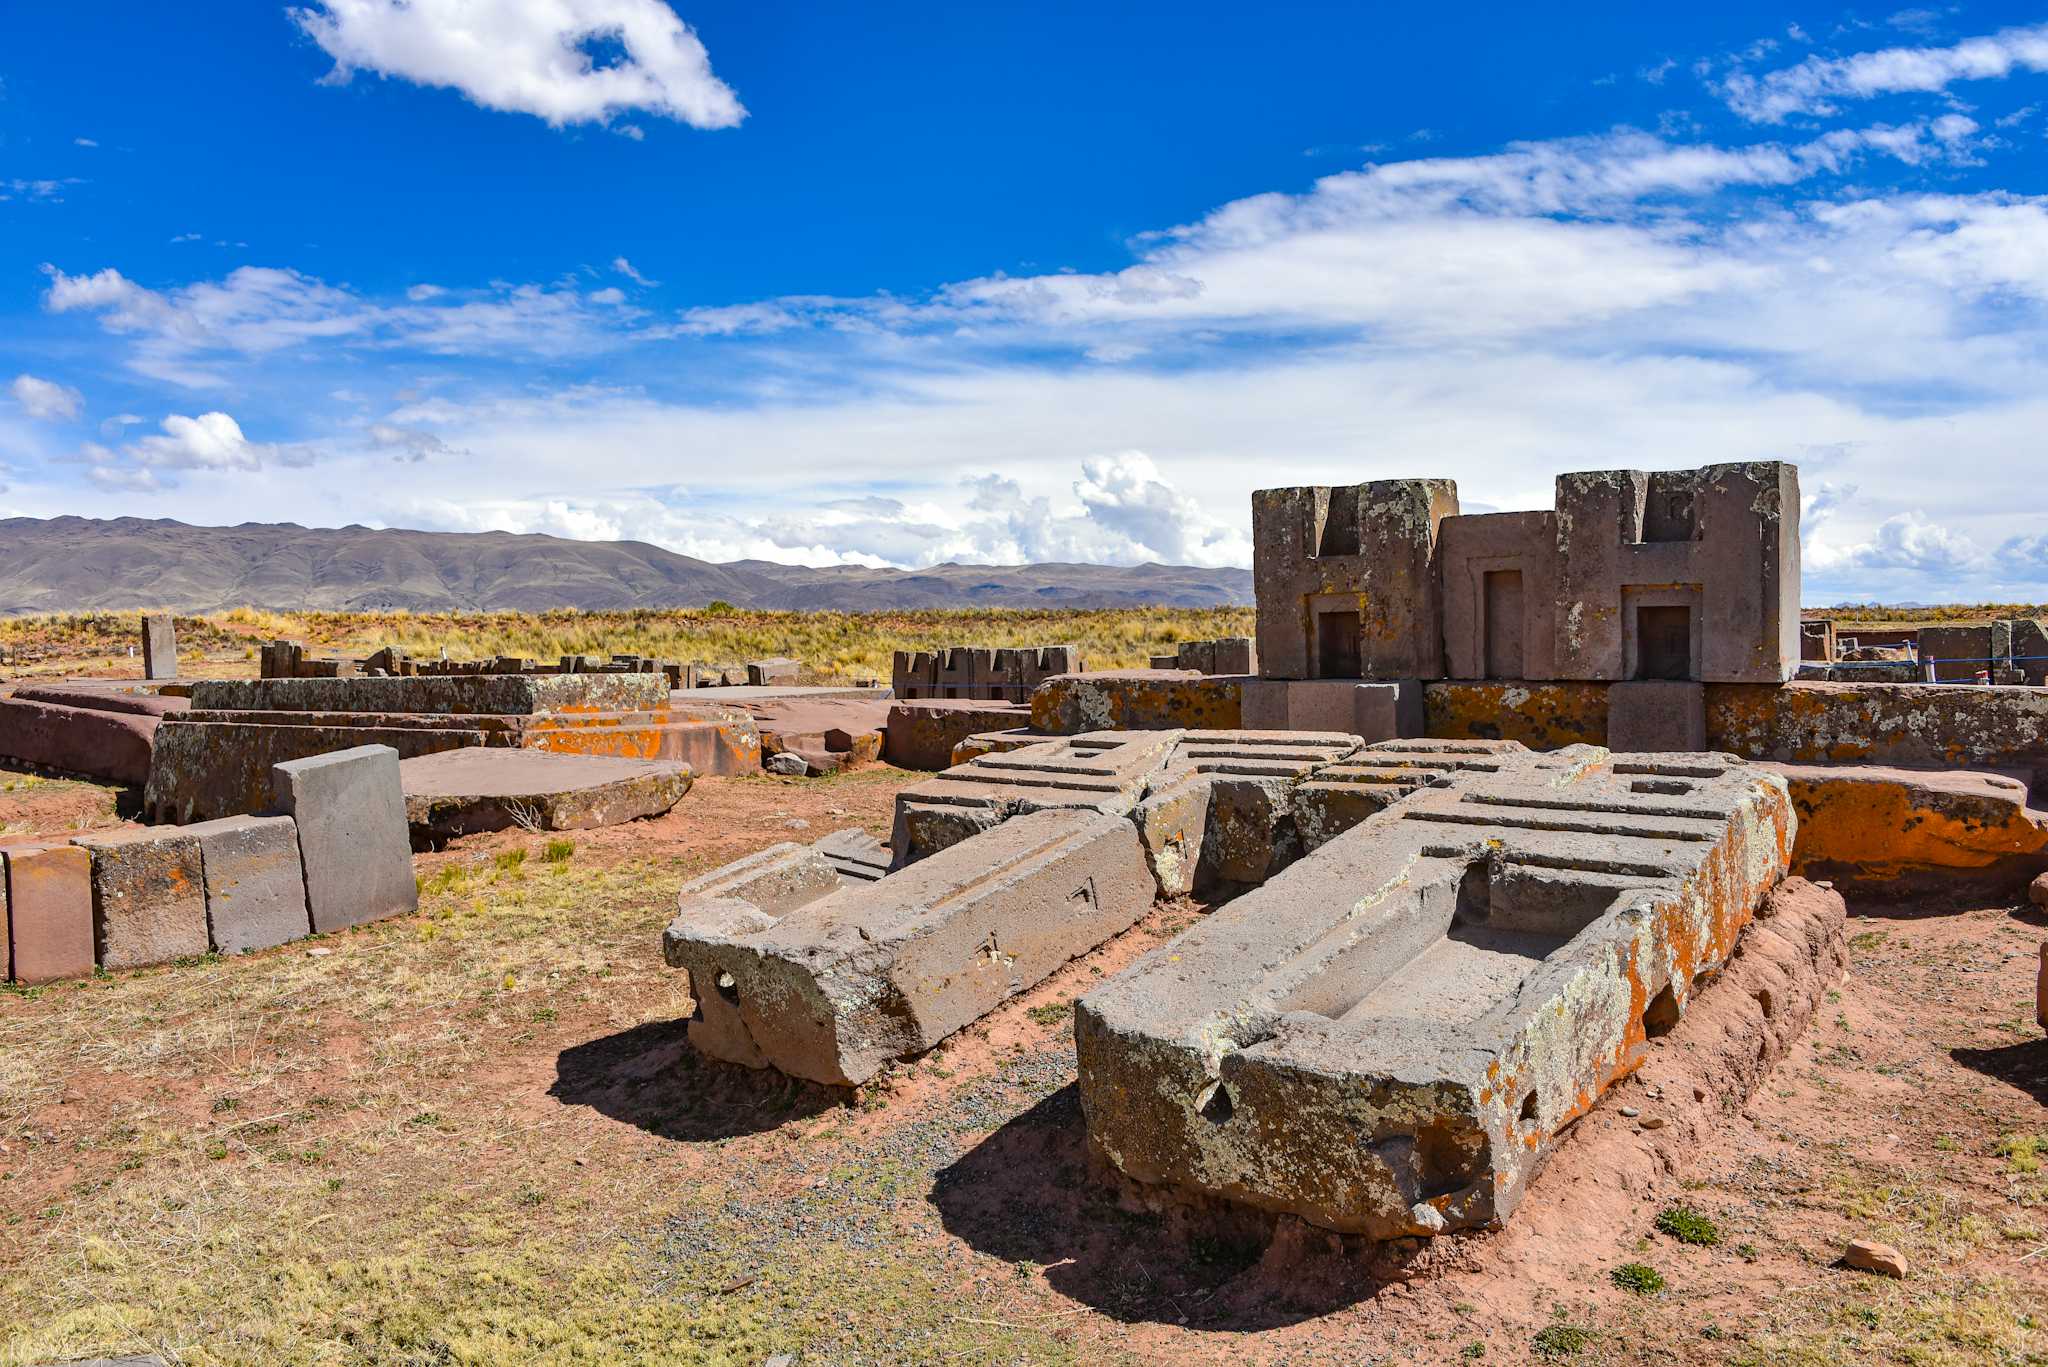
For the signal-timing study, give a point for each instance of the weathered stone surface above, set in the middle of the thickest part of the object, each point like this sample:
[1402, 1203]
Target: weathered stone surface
[848, 728]
[2041, 989]
[1910, 725]
[831, 989]
[2037, 891]
[1388, 1038]
[995, 742]
[1103, 772]
[111, 746]
[49, 911]
[778, 670]
[458, 792]
[921, 735]
[788, 763]
[159, 647]
[1889, 834]
[453, 694]
[1221, 808]
[350, 810]
[1338, 796]
[1346, 579]
[1542, 716]
[1657, 715]
[148, 896]
[94, 696]
[255, 884]
[1499, 573]
[1138, 700]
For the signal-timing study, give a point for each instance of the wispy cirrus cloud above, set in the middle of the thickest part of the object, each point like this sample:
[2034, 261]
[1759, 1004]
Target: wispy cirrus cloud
[1821, 85]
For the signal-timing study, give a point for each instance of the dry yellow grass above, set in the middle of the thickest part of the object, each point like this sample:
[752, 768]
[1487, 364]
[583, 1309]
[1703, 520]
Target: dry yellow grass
[832, 645]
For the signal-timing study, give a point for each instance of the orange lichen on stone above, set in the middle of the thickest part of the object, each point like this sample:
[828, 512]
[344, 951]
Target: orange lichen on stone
[1901, 830]
[1542, 716]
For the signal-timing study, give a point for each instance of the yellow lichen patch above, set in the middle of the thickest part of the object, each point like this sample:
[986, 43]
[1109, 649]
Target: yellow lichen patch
[1542, 716]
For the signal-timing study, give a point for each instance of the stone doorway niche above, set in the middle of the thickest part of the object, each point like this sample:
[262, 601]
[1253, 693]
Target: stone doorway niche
[1661, 632]
[1337, 654]
[1501, 624]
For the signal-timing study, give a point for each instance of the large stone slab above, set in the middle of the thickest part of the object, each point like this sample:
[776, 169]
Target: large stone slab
[1888, 834]
[459, 694]
[350, 810]
[1221, 809]
[459, 792]
[1388, 1038]
[830, 981]
[49, 911]
[255, 882]
[113, 747]
[923, 734]
[1138, 700]
[148, 896]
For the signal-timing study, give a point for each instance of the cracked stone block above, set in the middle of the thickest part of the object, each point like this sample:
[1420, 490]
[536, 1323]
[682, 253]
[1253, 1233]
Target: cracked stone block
[353, 840]
[827, 978]
[1388, 1038]
[1104, 771]
[148, 896]
[255, 885]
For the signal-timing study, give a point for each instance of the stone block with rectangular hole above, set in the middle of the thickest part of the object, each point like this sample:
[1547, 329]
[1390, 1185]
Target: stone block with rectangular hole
[255, 885]
[1221, 810]
[148, 896]
[1388, 1037]
[353, 843]
[49, 911]
[797, 967]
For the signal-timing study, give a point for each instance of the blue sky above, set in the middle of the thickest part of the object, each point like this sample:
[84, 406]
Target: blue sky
[908, 284]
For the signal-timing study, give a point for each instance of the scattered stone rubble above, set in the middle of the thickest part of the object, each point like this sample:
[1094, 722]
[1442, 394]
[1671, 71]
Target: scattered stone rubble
[336, 854]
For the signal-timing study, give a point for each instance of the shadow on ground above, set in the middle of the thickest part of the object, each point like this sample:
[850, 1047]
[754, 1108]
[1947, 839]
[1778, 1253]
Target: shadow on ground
[1031, 1193]
[2023, 1065]
[651, 1078]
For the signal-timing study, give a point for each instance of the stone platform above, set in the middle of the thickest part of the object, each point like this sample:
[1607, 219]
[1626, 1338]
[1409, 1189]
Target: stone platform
[1388, 1037]
[460, 792]
[215, 759]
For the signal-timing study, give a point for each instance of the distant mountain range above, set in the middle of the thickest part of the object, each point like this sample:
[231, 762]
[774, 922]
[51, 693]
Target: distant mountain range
[79, 564]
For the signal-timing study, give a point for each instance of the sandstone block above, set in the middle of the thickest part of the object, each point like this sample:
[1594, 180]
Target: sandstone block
[458, 792]
[49, 910]
[255, 886]
[1105, 772]
[833, 988]
[113, 746]
[2037, 891]
[1388, 1038]
[350, 810]
[148, 896]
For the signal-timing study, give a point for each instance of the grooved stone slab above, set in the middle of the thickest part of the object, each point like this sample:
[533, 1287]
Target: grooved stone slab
[831, 986]
[148, 896]
[255, 886]
[353, 843]
[49, 901]
[1388, 1038]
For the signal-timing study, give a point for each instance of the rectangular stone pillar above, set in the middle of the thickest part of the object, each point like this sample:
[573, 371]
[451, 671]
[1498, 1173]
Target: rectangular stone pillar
[159, 647]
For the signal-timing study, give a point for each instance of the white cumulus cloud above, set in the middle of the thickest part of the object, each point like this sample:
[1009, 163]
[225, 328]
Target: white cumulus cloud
[46, 399]
[565, 61]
